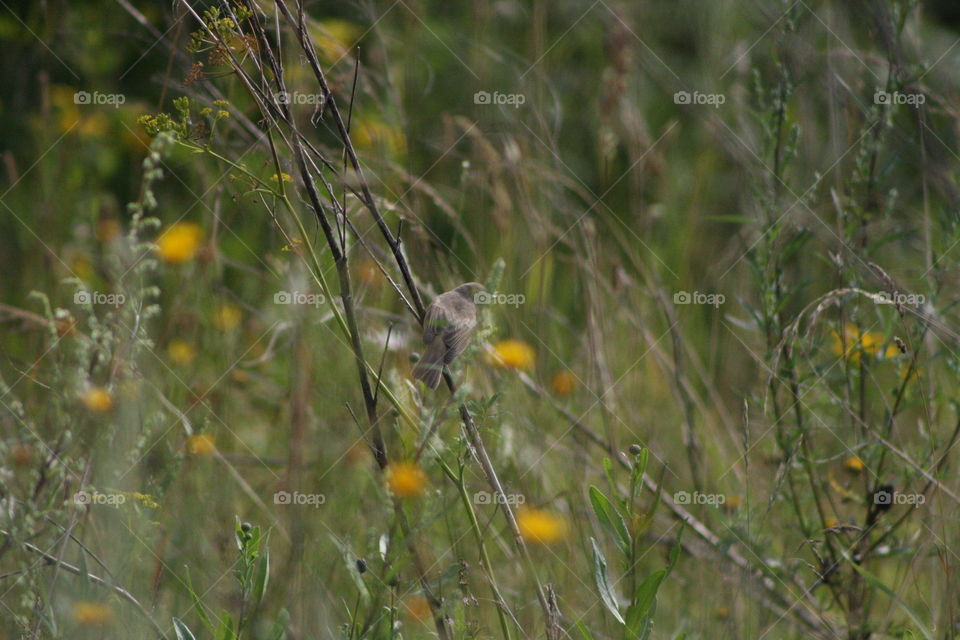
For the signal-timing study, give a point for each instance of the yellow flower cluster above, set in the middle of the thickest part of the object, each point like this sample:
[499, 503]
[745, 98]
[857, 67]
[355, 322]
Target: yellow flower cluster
[201, 444]
[181, 352]
[92, 613]
[854, 464]
[179, 242]
[540, 526]
[514, 354]
[406, 479]
[98, 400]
[227, 318]
[855, 342]
[563, 382]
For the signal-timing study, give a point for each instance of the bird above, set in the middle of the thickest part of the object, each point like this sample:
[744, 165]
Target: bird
[448, 325]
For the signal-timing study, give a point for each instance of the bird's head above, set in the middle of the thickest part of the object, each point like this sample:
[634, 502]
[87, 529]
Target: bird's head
[469, 290]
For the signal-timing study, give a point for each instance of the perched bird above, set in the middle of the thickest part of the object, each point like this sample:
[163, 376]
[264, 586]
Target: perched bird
[447, 327]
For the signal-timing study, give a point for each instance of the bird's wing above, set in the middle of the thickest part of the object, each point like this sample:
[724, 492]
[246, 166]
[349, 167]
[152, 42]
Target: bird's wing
[433, 322]
[457, 336]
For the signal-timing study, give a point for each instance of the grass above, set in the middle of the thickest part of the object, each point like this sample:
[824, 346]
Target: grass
[713, 395]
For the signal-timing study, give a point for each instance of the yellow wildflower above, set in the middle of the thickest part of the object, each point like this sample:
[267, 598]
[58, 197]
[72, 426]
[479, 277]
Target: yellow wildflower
[181, 352]
[145, 499]
[514, 354]
[98, 400]
[92, 613]
[180, 242]
[295, 246]
[370, 133]
[227, 317]
[732, 503]
[406, 479]
[369, 273]
[334, 38]
[541, 526]
[201, 444]
[87, 122]
[854, 342]
[853, 463]
[563, 382]
[82, 267]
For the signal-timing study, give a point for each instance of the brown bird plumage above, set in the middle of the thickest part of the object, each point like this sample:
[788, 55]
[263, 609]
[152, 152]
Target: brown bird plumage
[447, 328]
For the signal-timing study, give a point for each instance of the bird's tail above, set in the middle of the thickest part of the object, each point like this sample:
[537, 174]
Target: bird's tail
[430, 367]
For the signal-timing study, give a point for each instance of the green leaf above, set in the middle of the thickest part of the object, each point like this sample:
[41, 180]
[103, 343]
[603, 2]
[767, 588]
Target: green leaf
[280, 626]
[608, 471]
[226, 628]
[646, 595]
[642, 461]
[182, 630]
[584, 632]
[603, 584]
[610, 518]
[640, 629]
[198, 605]
[262, 577]
[875, 581]
[640, 613]
[675, 551]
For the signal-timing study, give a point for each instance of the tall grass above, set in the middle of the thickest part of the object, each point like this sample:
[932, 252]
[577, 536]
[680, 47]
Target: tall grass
[713, 395]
